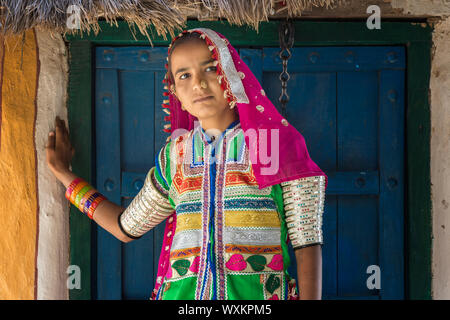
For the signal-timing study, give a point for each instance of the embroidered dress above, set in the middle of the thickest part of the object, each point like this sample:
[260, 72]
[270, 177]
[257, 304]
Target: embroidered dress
[227, 241]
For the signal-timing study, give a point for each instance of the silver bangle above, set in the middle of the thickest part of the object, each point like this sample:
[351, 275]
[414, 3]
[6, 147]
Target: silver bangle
[304, 204]
[147, 209]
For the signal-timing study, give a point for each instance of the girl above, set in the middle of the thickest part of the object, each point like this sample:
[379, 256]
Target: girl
[230, 208]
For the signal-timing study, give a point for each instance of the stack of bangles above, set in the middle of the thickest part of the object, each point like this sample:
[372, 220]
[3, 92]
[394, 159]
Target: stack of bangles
[304, 204]
[84, 196]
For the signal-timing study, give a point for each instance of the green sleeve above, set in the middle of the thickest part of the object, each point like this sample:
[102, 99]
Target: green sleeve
[277, 195]
[162, 172]
[162, 168]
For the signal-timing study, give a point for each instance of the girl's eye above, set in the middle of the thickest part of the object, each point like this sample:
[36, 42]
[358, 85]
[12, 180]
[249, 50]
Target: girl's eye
[211, 67]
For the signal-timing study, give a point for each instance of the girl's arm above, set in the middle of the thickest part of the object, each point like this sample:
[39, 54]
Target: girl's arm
[309, 272]
[146, 210]
[107, 212]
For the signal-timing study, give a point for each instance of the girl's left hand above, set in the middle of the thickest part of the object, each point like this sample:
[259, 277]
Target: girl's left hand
[59, 150]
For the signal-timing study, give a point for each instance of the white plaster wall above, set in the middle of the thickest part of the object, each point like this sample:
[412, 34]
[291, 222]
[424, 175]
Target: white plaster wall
[53, 241]
[440, 160]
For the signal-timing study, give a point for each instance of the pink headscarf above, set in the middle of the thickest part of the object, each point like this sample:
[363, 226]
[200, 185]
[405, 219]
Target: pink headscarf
[256, 113]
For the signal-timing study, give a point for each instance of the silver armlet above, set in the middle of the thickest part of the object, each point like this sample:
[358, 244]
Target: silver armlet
[303, 205]
[147, 210]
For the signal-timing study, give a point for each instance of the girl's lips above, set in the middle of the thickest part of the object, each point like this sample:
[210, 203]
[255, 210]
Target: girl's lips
[203, 99]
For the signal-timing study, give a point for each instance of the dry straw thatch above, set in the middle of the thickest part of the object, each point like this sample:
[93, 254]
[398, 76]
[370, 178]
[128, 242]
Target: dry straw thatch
[166, 16]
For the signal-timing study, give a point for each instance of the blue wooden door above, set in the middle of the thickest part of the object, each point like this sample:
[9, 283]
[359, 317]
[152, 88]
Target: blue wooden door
[348, 102]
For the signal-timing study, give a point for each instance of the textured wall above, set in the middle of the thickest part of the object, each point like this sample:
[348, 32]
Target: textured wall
[440, 160]
[389, 8]
[18, 187]
[34, 232]
[428, 7]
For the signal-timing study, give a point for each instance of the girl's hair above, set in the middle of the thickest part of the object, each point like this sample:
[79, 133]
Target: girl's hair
[187, 37]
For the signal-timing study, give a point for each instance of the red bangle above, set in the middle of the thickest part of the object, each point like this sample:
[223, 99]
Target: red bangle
[94, 206]
[71, 186]
[76, 190]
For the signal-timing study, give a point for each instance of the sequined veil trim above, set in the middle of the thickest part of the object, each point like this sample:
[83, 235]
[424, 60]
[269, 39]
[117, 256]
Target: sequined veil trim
[235, 82]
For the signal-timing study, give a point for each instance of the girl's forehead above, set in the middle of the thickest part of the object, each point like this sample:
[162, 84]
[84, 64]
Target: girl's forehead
[191, 51]
[194, 44]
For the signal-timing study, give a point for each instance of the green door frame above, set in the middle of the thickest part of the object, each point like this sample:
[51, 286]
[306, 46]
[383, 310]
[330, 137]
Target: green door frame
[416, 38]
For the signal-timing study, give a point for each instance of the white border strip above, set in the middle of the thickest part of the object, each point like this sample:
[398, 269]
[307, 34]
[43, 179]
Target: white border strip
[53, 242]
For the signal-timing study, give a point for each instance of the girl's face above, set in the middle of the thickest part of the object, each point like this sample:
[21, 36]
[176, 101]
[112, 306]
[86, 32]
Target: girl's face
[191, 64]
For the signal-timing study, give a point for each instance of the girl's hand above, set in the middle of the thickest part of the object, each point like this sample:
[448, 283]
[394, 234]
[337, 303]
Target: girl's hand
[59, 151]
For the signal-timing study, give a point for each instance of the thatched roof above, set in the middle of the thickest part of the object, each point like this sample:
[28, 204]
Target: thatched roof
[165, 16]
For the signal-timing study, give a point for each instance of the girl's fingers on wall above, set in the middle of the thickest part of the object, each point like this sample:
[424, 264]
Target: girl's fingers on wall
[51, 140]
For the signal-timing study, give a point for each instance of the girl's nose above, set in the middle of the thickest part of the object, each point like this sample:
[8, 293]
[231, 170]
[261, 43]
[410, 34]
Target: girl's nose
[197, 83]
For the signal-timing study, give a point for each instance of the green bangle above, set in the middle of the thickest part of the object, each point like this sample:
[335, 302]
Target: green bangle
[81, 194]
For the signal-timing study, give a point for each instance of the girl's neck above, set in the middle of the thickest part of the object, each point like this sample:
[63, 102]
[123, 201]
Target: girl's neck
[219, 123]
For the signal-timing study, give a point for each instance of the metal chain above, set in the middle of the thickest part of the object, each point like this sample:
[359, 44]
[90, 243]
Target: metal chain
[286, 37]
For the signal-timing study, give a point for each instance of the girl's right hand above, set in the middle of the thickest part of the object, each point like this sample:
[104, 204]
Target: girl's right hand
[59, 150]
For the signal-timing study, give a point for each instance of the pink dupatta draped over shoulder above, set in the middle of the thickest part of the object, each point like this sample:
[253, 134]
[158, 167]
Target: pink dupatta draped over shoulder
[265, 130]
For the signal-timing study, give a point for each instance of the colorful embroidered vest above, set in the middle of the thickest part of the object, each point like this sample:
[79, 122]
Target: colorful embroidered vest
[228, 241]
